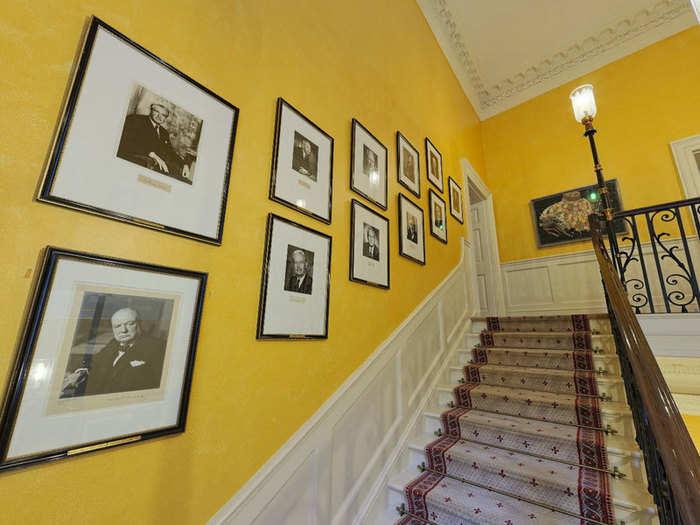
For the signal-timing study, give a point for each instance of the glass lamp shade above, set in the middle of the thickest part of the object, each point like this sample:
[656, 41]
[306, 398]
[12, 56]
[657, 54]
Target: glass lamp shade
[583, 102]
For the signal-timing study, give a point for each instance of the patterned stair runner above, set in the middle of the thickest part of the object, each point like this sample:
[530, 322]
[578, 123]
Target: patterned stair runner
[525, 425]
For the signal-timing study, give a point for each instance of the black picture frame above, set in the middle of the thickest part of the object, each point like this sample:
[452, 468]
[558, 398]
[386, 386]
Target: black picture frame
[46, 188]
[356, 205]
[450, 184]
[403, 201]
[432, 196]
[543, 238]
[28, 347]
[263, 309]
[354, 126]
[274, 171]
[400, 137]
[441, 179]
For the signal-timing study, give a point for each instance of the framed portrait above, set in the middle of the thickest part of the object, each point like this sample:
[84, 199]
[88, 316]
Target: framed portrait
[456, 200]
[141, 142]
[407, 164]
[302, 164]
[295, 283]
[411, 230]
[433, 165]
[368, 165]
[369, 246]
[106, 358]
[438, 216]
[563, 217]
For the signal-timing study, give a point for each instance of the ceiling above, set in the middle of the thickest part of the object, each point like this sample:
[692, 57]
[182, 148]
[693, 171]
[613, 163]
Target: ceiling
[505, 52]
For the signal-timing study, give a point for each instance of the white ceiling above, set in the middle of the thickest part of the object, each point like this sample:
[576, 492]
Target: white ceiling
[505, 52]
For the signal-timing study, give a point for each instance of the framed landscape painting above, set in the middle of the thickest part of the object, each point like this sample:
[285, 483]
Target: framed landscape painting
[141, 142]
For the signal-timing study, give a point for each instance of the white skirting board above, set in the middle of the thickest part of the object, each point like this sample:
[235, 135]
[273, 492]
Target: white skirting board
[330, 470]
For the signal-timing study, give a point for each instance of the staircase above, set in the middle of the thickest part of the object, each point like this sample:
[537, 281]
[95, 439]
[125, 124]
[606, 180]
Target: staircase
[531, 426]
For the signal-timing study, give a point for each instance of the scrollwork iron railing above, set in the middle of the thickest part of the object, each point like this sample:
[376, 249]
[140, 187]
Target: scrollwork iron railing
[660, 274]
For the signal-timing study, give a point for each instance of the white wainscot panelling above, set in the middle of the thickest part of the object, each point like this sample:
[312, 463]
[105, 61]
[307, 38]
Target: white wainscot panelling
[527, 286]
[334, 468]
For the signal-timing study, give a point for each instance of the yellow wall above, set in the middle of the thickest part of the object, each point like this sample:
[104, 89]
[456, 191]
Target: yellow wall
[376, 61]
[693, 424]
[645, 101]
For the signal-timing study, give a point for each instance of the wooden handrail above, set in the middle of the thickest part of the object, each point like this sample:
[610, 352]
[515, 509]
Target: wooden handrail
[678, 453]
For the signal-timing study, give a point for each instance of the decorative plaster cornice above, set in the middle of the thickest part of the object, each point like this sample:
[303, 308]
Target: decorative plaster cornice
[663, 12]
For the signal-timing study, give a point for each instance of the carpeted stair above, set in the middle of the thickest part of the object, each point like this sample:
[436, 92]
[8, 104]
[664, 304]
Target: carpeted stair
[525, 440]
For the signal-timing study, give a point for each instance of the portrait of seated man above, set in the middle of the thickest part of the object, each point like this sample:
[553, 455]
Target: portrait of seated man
[408, 165]
[299, 269]
[411, 228]
[370, 248]
[130, 361]
[305, 156]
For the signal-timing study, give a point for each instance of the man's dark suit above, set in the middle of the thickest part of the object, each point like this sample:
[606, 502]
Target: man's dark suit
[308, 162]
[412, 233]
[368, 252]
[140, 137]
[292, 284]
[139, 368]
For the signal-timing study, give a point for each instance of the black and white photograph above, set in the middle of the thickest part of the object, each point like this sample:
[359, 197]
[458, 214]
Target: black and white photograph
[141, 142]
[407, 164]
[295, 282]
[301, 175]
[411, 230]
[106, 358]
[298, 276]
[159, 135]
[305, 156]
[438, 216]
[456, 200]
[368, 165]
[369, 246]
[433, 161]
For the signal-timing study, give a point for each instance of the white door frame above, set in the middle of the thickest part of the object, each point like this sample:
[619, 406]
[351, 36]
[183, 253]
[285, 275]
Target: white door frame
[469, 175]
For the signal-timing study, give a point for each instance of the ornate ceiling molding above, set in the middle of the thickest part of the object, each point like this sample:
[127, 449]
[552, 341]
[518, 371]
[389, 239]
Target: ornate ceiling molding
[491, 97]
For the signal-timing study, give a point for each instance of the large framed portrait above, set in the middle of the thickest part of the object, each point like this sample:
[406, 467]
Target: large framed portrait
[295, 284]
[407, 164]
[433, 165]
[438, 216]
[456, 200]
[369, 246]
[563, 217]
[302, 164]
[368, 165]
[141, 142]
[411, 230]
[106, 358]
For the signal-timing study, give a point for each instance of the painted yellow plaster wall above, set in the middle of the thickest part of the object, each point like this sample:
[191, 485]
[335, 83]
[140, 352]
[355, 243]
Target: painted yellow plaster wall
[645, 101]
[376, 61]
[693, 424]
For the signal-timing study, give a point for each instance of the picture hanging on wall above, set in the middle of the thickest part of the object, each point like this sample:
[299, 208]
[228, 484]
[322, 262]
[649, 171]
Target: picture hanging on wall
[411, 230]
[369, 246]
[302, 164]
[563, 217]
[433, 165]
[368, 165]
[456, 200]
[438, 216]
[407, 164]
[141, 142]
[295, 283]
[106, 358]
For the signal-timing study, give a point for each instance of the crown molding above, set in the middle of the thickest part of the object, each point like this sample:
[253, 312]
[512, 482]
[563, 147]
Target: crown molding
[641, 29]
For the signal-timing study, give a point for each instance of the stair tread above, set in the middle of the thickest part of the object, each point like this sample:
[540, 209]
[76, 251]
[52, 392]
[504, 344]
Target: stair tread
[549, 317]
[538, 371]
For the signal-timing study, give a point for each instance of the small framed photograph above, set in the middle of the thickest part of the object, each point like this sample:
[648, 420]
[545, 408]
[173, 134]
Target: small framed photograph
[295, 284]
[369, 246]
[438, 216]
[106, 358]
[411, 230]
[141, 142]
[302, 164]
[433, 165]
[456, 200]
[407, 164]
[368, 165]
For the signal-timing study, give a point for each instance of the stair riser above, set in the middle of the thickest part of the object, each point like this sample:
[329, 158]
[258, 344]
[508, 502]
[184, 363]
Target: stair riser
[608, 362]
[597, 325]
